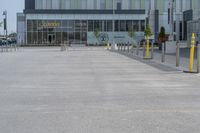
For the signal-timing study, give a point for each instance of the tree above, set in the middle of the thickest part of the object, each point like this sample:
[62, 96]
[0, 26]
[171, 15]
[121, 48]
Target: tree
[148, 32]
[13, 34]
[162, 35]
[162, 38]
[131, 32]
[97, 32]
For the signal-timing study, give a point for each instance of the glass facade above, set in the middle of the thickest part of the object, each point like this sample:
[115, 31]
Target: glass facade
[92, 4]
[53, 32]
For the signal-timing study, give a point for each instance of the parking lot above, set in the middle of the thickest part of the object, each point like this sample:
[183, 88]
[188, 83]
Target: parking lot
[92, 90]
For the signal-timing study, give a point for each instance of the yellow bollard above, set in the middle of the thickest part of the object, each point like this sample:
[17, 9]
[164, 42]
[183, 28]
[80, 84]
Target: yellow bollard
[147, 47]
[192, 53]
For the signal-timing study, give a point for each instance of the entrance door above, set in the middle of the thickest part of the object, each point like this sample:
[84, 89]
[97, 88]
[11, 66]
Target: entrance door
[51, 38]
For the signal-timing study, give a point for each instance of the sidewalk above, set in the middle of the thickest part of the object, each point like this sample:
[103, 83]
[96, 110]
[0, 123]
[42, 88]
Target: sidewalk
[170, 59]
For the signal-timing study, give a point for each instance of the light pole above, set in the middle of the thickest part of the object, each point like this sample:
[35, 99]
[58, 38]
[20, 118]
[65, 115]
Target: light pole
[113, 24]
[5, 25]
[172, 19]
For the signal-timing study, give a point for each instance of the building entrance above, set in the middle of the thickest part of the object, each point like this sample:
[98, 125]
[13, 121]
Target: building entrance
[51, 38]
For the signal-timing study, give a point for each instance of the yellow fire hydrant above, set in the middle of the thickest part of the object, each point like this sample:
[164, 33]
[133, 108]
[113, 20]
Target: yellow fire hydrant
[192, 53]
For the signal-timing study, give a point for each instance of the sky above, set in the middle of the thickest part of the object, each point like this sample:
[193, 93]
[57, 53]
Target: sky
[12, 7]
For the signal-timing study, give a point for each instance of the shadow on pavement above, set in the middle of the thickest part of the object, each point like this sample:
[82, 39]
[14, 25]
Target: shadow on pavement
[151, 63]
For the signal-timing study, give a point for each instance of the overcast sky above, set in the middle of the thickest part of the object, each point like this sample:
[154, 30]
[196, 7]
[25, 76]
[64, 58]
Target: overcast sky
[12, 7]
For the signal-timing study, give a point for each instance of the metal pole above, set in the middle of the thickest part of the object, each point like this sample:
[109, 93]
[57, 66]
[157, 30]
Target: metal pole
[163, 52]
[172, 18]
[132, 49]
[128, 46]
[152, 50]
[177, 54]
[137, 49]
[6, 32]
[144, 48]
[198, 58]
[113, 21]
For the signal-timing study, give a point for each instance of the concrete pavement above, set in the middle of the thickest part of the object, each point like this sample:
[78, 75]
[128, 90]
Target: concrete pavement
[91, 90]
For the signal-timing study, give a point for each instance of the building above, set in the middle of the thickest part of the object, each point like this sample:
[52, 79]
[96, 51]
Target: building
[81, 21]
[52, 22]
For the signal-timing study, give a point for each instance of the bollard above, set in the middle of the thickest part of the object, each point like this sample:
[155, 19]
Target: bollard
[198, 58]
[108, 46]
[152, 50]
[163, 52]
[147, 47]
[191, 65]
[128, 47]
[124, 47]
[137, 49]
[144, 48]
[132, 49]
[177, 54]
[7, 47]
[15, 47]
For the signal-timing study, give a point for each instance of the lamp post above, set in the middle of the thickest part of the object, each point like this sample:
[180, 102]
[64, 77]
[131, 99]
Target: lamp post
[172, 19]
[5, 25]
[113, 24]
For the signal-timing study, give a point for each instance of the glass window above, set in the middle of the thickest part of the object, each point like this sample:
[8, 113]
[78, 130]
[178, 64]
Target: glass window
[135, 4]
[62, 4]
[122, 25]
[71, 26]
[35, 38]
[128, 25]
[38, 4]
[83, 4]
[65, 37]
[67, 4]
[55, 4]
[71, 37]
[136, 25]
[29, 25]
[102, 4]
[49, 4]
[29, 37]
[35, 26]
[109, 4]
[96, 25]
[109, 25]
[40, 36]
[77, 25]
[101, 25]
[84, 25]
[142, 25]
[104, 25]
[64, 23]
[117, 22]
[90, 25]
[95, 4]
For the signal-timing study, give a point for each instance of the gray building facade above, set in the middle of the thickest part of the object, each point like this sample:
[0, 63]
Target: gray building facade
[52, 22]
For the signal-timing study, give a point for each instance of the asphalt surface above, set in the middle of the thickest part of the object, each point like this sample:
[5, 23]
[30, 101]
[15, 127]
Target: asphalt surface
[91, 90]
